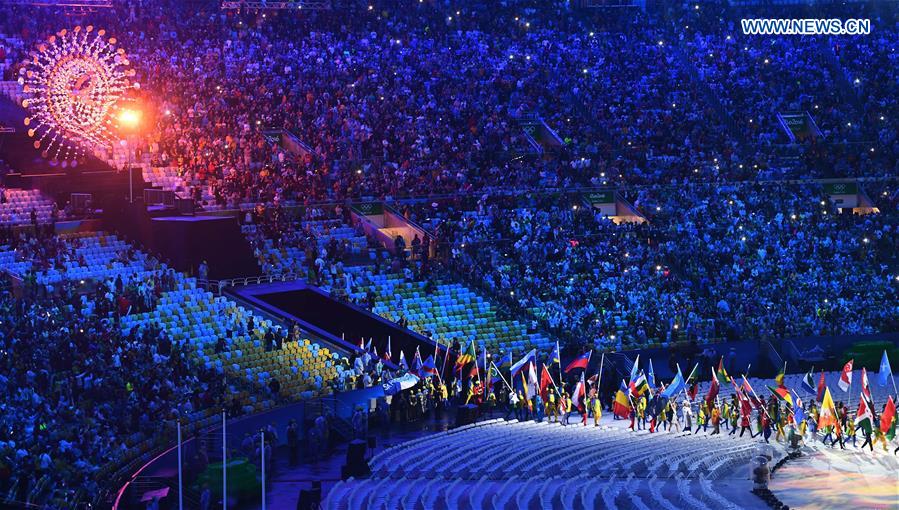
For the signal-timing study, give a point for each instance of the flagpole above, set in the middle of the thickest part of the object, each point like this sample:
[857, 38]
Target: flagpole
[224, 461]
[501, 376]
[599, 379]
[180, 482]
[849, 398]
[487, 377]
[562, 379]
[445, 357]
[475, 344]
[761, 402]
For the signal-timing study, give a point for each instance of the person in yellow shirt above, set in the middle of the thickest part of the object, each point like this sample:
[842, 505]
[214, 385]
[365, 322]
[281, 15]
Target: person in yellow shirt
[641, 412]
[552, 411]
[781, 433]
[597, 411]
[879, 436]
[701, 419]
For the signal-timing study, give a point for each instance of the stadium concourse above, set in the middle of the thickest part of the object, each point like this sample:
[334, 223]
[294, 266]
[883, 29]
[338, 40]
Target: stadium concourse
[527, 211]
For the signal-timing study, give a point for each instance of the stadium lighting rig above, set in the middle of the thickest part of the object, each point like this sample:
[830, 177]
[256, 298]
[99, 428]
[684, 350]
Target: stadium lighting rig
[74, 5]
[288, 5]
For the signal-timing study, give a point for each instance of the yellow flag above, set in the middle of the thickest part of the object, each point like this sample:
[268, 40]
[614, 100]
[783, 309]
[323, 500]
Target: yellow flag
[828, 416]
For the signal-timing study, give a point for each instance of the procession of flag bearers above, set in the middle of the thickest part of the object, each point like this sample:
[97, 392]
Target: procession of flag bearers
[532, 394]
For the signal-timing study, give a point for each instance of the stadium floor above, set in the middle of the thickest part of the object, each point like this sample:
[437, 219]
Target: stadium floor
[822, 478]
[830, 478]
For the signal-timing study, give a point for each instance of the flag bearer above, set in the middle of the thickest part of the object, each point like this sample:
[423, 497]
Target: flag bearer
[688, 416]
[552, 412]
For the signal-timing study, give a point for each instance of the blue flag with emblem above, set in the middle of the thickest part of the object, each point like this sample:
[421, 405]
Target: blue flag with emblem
[798, 411]
[677, 385]
[555, 356]
[885, 371]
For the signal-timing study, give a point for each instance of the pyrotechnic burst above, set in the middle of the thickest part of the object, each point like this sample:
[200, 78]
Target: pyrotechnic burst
[74, 84]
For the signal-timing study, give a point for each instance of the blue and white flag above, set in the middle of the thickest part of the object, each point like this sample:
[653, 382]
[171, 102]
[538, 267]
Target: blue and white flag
[651, 375]
[530, 356]
[403, 364]
[885, 371]
[677, 385]
[635, 369]
[399, 384]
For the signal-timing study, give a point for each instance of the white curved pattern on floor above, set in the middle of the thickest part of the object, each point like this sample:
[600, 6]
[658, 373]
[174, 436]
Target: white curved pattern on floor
[509, 465]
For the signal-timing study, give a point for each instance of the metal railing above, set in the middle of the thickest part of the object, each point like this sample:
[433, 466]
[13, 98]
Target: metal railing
[217, 287]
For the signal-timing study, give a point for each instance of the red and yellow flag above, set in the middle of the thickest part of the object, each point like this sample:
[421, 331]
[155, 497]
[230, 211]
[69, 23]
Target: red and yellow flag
[828, 416]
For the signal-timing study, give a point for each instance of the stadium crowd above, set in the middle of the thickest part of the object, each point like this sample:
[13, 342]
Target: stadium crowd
[404, 99]
[718, 262]
[82, 395]
[436, 108]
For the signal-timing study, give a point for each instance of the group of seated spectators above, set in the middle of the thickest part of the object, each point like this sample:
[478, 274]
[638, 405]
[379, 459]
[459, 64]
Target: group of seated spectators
[82, 395]
[723, 262]
[90, 392]
[845, 83]
[423, 98]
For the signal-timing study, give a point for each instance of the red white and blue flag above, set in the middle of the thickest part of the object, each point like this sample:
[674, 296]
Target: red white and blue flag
[416, 361]
[580, 362]
[428, 368]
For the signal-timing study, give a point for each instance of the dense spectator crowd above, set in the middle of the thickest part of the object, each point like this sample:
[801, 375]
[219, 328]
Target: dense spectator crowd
[401, 99]
[81, 394]
[417, 98]
[97, 372]
[717, 262]
[845, 83]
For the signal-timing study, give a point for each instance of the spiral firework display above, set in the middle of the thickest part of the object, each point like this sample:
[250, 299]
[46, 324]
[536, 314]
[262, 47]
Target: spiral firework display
[74, 84]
